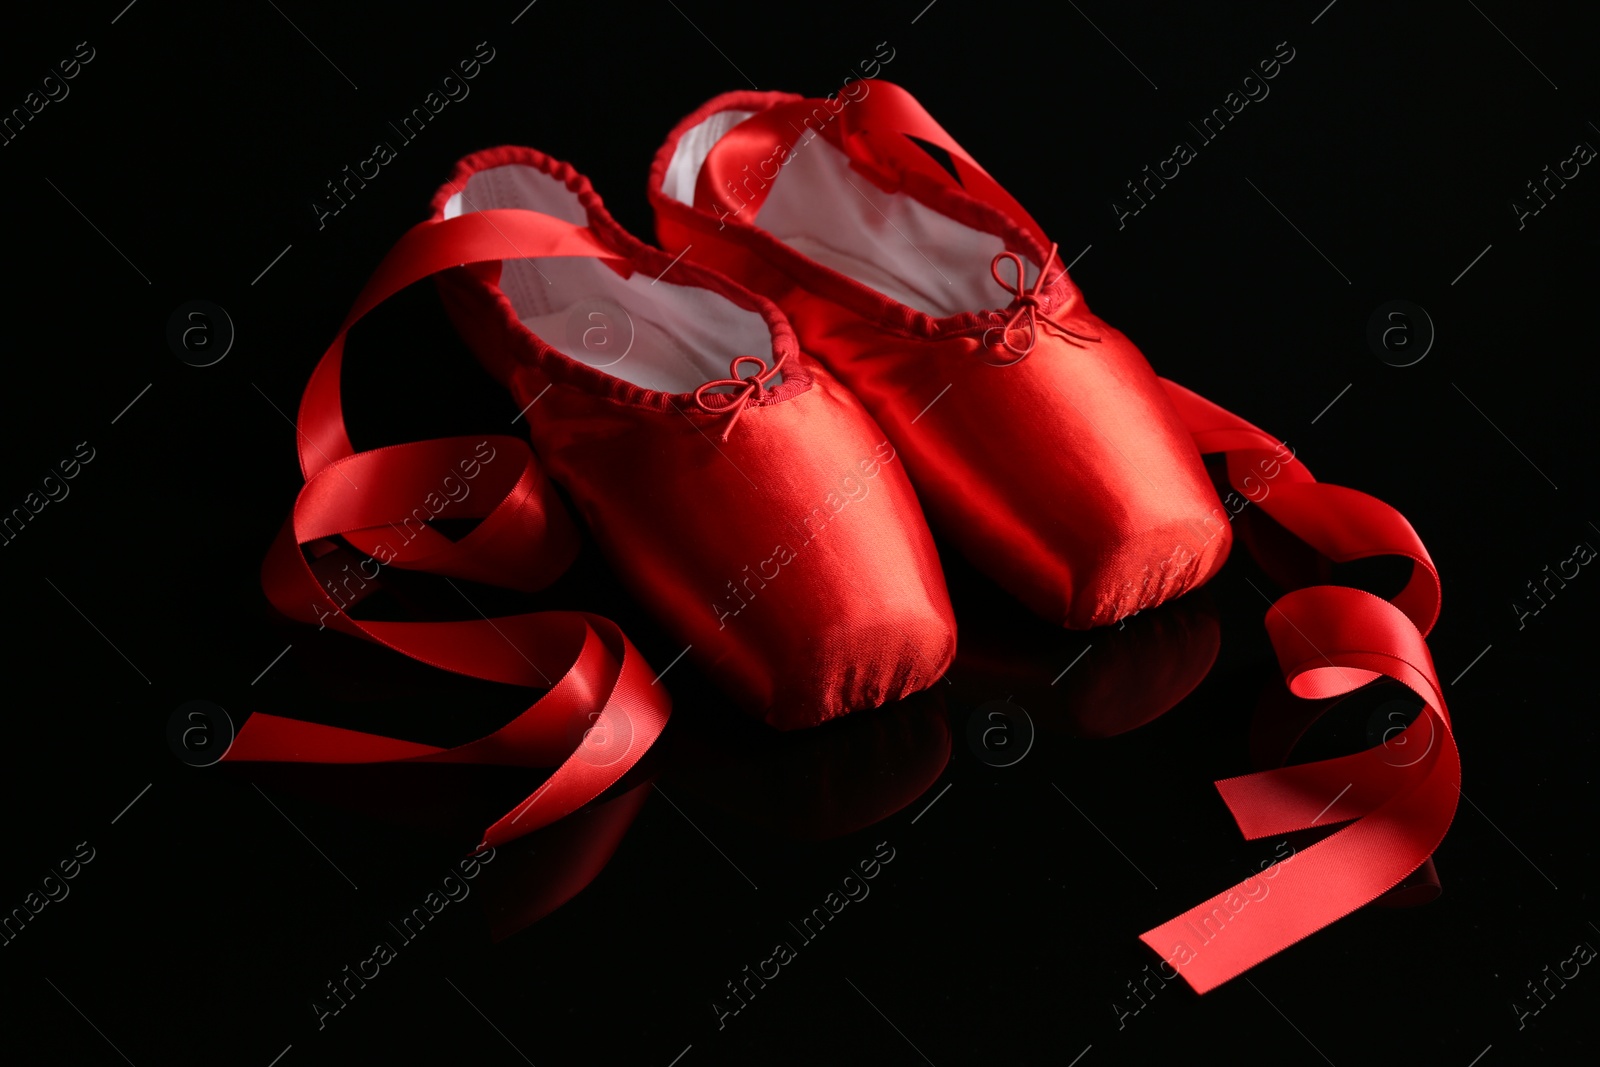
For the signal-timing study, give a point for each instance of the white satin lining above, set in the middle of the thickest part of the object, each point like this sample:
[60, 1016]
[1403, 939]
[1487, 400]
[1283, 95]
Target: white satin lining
[825, 211]
[654, 334]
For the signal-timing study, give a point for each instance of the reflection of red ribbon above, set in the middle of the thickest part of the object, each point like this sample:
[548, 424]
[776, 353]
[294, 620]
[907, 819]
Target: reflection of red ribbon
[1330, 640]
[601, 711]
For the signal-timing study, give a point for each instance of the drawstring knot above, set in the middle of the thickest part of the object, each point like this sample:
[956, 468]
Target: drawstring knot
[1028, 308]
[750, 387]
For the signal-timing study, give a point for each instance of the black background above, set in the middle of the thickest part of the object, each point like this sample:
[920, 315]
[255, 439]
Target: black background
[187, 157]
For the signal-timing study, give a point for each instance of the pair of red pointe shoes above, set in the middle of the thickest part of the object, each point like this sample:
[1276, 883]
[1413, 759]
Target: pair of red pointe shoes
[838, 334]
[849, 322]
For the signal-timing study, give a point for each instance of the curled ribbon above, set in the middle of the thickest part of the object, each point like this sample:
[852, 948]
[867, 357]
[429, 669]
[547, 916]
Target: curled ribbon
[602, 709]
[1329, 640]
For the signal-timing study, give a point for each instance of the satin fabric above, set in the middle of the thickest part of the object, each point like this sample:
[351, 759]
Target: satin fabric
[1065, 475]
[791, 560]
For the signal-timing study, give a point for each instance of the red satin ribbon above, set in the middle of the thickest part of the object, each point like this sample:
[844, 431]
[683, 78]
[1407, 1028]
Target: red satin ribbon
[1329, 640]
[602, 709]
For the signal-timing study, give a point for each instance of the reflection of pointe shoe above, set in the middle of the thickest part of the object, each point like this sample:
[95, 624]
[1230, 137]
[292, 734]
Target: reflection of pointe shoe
[1123, 678]
[1056, 462]
[759, 513]
[824, 783]
[1142, 671]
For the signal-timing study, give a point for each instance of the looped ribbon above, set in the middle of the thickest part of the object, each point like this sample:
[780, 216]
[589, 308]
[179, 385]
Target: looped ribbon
[1028, 307]
[1329, 639]
[601, 710]
[1398, 797]
[749, 388]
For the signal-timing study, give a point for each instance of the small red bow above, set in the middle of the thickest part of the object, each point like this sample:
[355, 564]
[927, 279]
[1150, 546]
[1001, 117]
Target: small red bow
[749, 388]
[1027, 304]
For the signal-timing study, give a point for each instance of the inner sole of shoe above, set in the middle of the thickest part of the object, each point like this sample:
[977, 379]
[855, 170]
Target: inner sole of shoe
[889, 242]
[650, 332]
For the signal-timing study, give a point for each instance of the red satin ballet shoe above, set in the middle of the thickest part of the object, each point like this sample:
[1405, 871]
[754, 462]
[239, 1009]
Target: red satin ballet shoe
[743, 494]
[1039, 439]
